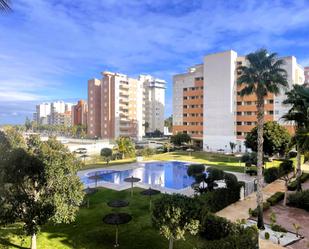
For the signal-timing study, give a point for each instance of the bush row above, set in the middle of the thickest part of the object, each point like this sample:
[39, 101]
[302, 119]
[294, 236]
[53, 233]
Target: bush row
[275, 198]
[293, 185]
[273, 173]
[223, 234]
[271, 201]
[300, 200]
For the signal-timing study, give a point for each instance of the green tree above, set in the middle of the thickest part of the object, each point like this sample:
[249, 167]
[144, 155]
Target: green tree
[174, 215]
[107, 153]
[180, 138]
[28, 124]
[5, 5]
[298, 99]
[40, 186]
[232, 146]
[169, 123]
[263, 75]
[276, 139]
[125, 146]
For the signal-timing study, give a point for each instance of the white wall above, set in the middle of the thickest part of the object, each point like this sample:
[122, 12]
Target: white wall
[219, 100]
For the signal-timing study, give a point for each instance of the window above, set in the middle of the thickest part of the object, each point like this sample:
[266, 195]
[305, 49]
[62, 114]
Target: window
[185, 89]
[239, 123]
[239, 133]
[238, 102]
[239, 113]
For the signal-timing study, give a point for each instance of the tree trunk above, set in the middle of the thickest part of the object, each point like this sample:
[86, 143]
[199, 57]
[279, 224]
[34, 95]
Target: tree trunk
[260, 131]
[285, 193]
[33, 241]
[171, 243]
[298, 170]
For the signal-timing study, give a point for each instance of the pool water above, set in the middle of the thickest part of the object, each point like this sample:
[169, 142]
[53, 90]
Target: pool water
[172, 175]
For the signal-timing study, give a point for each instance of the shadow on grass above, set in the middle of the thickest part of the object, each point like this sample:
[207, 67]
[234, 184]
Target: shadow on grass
[6, 236]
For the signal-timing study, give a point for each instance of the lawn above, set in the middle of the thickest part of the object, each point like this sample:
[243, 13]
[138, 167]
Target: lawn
[99, 163]
[89, 232]
[221, 161]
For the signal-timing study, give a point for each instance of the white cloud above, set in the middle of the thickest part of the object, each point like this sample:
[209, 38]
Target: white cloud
[49, 43]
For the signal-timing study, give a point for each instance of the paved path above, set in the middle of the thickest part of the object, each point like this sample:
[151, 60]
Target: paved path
[239, 210]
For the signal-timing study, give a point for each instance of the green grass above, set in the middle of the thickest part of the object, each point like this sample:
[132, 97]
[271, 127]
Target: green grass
[101, 163]
[221, 161]
[224, 162]
[89, 232]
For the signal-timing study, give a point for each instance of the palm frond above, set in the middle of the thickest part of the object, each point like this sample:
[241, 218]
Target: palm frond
[5, 5]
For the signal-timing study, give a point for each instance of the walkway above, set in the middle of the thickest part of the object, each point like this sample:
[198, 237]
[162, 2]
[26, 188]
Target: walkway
[239, 210]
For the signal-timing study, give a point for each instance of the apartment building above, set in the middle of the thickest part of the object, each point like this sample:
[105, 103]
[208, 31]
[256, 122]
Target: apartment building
[120, 105]
[154, 99]
[42, 112]
[214, 98]
[79, 113]
[49, 113]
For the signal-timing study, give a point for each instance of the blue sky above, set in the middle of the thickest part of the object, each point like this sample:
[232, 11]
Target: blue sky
[49, 49]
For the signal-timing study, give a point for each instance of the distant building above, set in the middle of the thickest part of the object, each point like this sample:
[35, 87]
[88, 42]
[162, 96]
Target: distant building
[49, 113]
[306, 75]
[79, 113]
[122, 106]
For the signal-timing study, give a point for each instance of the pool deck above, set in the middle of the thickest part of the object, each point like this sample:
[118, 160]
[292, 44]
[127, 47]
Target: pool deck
[188, 191]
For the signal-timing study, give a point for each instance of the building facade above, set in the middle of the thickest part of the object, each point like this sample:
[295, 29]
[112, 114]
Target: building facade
[79, 113]
[117, 105]
[53, 113]
[215, 98]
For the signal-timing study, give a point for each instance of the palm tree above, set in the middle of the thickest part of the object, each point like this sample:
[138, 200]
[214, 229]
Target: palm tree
[298, 98]
[264, 74]
[125, 146]
[5, 5]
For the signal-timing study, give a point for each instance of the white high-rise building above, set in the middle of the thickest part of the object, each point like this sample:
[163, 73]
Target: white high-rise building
[154, 102]
[207, 104]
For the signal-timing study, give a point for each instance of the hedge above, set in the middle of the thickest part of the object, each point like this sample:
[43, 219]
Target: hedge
[214, 227]
[275, 198]
[271, 174]
[240, 238]
[254, 212]
[293, 185]
[299, 200]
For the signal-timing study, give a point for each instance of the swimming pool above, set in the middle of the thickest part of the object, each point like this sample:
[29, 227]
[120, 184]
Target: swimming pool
[172, 175]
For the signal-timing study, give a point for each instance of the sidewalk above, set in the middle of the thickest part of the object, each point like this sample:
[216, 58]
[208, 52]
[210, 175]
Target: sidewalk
[239, 210]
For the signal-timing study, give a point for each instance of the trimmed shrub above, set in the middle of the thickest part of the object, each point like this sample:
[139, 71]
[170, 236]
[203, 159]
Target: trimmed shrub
[214, 227]
[275, 198]
[240, 238]
[219, 198]
[292, 154]
[266, 235]
[251, 171]
[285, 167]
[278, 228]
[254, 212]
[293, 185]
[299, 200]
[271, 174]
[231, 181]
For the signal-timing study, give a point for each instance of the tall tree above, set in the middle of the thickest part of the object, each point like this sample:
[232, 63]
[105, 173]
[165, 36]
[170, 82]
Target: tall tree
[263, 75]
[298, 98]
[40, 185]
[276, 139]
[169, 123]
[5, 5]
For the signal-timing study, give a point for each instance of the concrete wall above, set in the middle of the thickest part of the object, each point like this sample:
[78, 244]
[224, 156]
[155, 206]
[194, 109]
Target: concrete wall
[219, 100]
